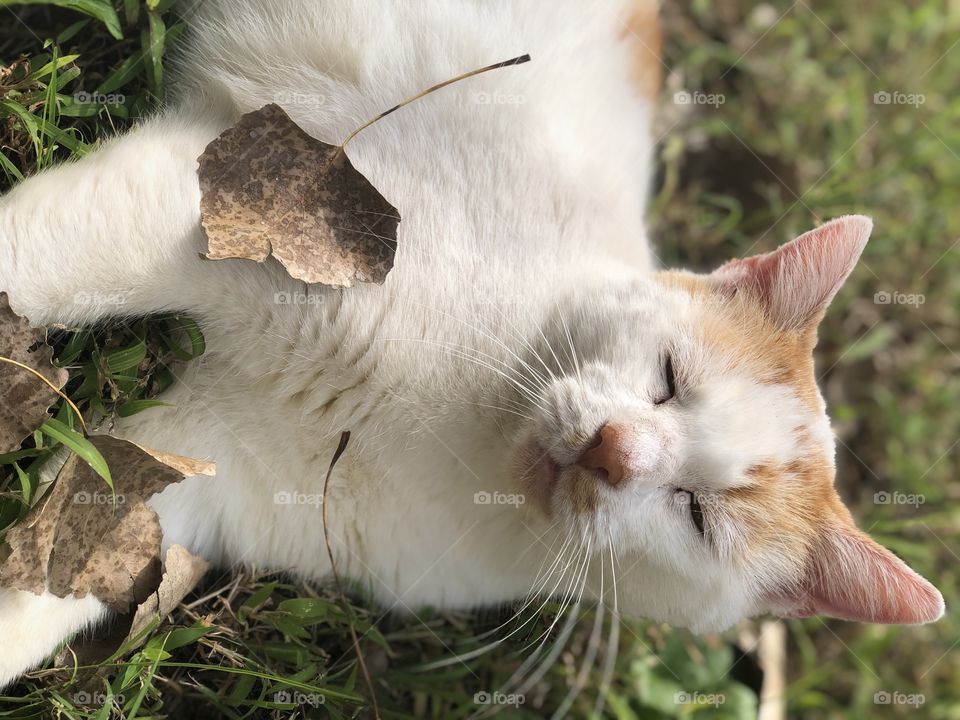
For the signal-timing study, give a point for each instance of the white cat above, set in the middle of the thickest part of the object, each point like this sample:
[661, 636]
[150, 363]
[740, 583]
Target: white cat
[528, 397]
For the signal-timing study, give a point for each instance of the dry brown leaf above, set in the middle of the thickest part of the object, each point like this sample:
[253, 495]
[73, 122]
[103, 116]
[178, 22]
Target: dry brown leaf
[181, 572]
[269, 189]
[24, 398]
[80, 538]
[186, 466]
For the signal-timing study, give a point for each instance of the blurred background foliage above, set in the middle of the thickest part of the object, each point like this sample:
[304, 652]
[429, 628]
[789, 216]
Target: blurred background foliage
[827, 108]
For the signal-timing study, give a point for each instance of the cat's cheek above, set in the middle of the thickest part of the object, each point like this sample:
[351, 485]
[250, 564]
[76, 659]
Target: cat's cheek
[536, 475]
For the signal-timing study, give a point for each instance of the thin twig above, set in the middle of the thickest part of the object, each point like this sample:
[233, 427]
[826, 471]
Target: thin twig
[344, 439]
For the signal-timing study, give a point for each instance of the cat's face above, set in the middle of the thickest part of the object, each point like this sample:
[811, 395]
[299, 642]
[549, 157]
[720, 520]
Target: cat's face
[686, 432]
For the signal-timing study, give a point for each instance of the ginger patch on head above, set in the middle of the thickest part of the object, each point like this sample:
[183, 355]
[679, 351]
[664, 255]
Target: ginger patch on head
[738, 326]
[780, 512]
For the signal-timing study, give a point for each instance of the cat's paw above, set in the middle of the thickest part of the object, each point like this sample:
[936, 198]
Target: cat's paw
[32, 627]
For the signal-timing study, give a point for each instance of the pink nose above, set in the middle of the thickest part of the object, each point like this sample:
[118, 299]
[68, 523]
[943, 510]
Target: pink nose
[606, 456]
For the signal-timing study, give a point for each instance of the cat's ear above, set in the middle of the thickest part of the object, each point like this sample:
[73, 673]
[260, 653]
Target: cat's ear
[852, 577]
[796, 282]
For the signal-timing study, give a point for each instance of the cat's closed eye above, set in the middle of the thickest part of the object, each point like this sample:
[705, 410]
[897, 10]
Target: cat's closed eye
[692, 502]
[671, 382]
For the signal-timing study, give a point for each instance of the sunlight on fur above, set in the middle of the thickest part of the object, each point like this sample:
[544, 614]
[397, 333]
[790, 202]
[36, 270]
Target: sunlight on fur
[537, 410]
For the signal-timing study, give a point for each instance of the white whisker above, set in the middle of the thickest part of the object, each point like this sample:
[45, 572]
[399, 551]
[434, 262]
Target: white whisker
[477, 652]
[613, 640]
[536, 375]
[573, 350]
[457, 352]
[593, 646]
[564, 635]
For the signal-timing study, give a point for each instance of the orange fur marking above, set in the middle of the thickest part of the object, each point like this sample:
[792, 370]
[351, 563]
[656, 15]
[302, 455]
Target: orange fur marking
[770, 354]
[641, 29]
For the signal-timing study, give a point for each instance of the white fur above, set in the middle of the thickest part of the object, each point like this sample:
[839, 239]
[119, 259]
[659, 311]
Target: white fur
[522, 218]
[31, 626]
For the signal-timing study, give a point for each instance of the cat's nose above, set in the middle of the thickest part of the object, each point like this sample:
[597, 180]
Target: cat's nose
[606, 456]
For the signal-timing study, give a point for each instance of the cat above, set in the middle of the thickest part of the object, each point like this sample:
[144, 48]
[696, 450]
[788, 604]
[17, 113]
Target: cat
[533, 401]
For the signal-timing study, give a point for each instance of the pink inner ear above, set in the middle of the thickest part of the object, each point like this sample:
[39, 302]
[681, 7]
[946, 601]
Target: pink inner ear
[797, 281]
[853, 578]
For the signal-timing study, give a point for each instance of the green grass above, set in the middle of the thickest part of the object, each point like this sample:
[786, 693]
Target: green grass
[797, 139]
[70, 77]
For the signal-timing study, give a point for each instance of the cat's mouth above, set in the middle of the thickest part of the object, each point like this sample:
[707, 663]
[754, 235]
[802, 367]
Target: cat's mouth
[550, 484]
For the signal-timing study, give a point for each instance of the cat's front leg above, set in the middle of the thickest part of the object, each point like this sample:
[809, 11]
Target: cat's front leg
[33, 626]
[115, 233]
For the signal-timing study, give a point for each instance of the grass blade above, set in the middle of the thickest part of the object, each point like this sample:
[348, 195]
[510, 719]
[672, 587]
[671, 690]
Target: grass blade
[77, 443]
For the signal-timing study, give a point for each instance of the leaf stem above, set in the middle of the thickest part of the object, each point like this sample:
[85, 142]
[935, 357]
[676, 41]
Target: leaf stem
[519, 60]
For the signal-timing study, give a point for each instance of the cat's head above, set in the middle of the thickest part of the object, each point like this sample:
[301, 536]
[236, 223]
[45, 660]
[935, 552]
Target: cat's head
[684, 429]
